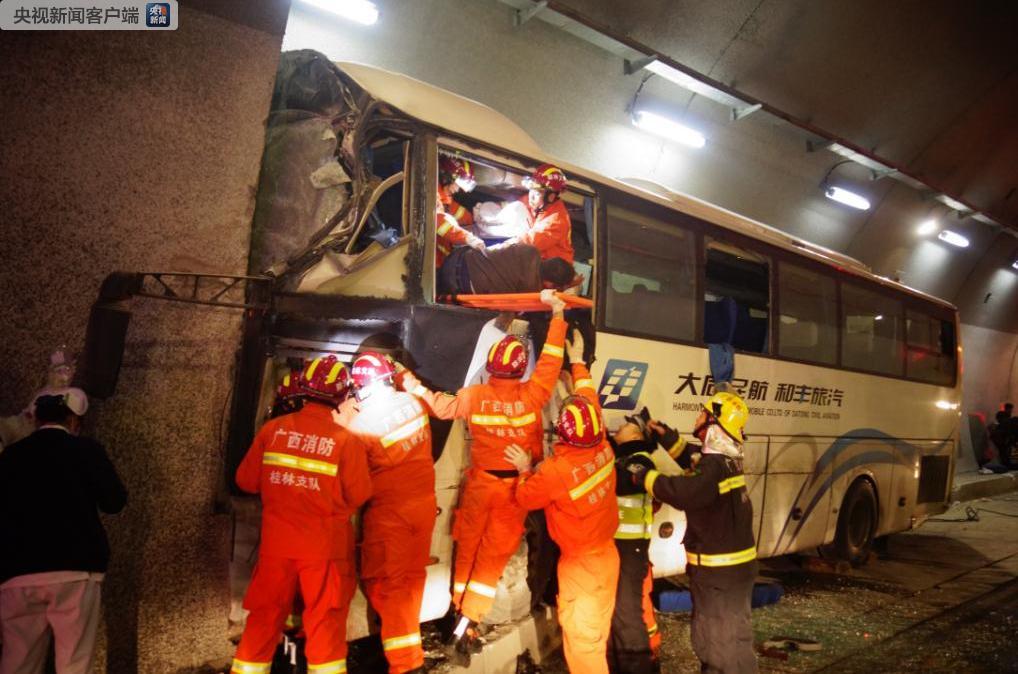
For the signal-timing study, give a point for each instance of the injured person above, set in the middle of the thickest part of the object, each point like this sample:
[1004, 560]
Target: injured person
[512, 269]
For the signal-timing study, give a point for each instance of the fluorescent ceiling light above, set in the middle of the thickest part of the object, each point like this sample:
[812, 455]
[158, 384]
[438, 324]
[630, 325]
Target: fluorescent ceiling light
[953, 203]
[360, 11]
[662, 126]
[945, 405]
[953, 238]
[692, 84]
[927, 228]
[847, 197]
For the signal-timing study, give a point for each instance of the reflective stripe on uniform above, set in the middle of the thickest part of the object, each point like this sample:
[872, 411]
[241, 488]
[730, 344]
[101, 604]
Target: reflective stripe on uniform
[640, 529]
[503, 420]
[243, 667]
[460, 212]
[636, 517]
[290, 461]
[405, 431]
[404, 641]
[444, 228]
[459, 588]
[652, 630]
[591, 482]
[583, 383]
[481, 589]
[729, 559]
[552, 350]
[334, 667]
[631, 501]
[648, 481]
[731, 483]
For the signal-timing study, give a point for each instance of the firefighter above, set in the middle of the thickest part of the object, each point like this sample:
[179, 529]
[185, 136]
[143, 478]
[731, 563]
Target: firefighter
[312, 475]
[453, 220]
[289, 398]
[455, 174]
[399, 518]
[488, 523]
[551, 230]
[576, 488]
[720, 549]
[630, 649]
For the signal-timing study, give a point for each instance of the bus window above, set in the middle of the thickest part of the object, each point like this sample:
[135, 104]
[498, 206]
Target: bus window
[384, 159]
[651, 278]
[736, 298]
[931, 349]
[491, 205]
[808, 321]
[871, 325]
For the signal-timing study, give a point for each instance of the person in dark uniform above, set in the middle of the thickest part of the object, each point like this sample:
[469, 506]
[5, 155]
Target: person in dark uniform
[720, 548]
[629, 647]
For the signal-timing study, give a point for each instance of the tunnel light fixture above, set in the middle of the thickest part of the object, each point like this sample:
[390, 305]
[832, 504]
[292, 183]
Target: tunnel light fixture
[953, 238]
[667, 128]
[847, 197]
[361, 11]
[927, 227]
[878, 317]
[1014, 265]
[945, 405]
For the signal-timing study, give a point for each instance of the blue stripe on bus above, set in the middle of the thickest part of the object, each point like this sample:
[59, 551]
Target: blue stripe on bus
[828, 457]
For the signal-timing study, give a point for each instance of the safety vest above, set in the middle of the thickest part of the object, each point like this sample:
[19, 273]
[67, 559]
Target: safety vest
[636, 515]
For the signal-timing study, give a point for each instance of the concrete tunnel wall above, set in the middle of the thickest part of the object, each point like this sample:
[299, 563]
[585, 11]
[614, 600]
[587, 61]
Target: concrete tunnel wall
[753, 167]
[139, 151]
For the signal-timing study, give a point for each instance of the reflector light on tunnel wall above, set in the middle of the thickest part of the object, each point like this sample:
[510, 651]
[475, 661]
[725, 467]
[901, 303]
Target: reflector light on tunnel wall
[944, 405]
[360, 11]
[927, 227]
[953, 238]
[667, 128]
[847, 197]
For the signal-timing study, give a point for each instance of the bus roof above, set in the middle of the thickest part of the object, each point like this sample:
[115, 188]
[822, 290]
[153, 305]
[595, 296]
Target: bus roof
[468, 118]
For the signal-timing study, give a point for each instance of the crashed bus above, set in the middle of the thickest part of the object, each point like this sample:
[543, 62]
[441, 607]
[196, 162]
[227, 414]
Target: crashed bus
[851, 379]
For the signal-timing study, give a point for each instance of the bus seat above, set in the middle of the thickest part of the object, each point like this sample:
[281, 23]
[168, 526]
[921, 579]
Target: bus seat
[719, 321]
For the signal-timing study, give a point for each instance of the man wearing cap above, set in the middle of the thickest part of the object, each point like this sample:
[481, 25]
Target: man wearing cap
[52, 486]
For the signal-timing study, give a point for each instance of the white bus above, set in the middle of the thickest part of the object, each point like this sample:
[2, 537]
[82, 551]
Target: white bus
[851, 379]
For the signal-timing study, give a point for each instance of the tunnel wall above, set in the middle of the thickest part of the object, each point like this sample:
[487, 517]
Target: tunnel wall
[140, 151]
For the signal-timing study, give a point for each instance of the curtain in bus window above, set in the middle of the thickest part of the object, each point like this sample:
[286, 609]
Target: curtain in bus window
[808, 324]
[736, 298]
[651, 277]
[872, 337]
[931, 349]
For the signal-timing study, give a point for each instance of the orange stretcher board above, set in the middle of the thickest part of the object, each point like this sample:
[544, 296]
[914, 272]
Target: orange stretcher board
[519, 301]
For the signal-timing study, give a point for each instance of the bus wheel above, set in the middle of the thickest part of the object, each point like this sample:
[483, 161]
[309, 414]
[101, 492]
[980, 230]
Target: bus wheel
[857, 524]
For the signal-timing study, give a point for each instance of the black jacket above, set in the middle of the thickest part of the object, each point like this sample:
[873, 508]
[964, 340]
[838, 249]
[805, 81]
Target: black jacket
[624, 486]
[716, 523]
[51, 485]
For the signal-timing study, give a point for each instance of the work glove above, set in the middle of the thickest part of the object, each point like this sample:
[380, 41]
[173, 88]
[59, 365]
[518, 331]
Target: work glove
[574, 347]
[476, 243]
[665, 435]
[549, 297]
[408, 381]
[518, 457]
[635, 468]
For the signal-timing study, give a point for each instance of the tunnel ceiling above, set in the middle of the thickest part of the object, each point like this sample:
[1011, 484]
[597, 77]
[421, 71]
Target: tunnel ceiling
[932, 87]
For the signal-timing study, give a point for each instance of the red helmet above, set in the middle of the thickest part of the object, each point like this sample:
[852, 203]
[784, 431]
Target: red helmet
[326, 378]
[507, 358]
[579, 423]
[370, 367]
[546, 177]
[453, 169]
[289, 387]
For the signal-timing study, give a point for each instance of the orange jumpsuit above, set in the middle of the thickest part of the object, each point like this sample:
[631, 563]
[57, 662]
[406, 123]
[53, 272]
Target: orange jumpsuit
[489, 523]
[576, 488]
[449, 234]
[398, 520]
[551, 231]
[312, 476]
[454, 208]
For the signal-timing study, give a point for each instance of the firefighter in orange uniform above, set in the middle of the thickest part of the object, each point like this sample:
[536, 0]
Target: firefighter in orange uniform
[453, 219]
[489, 523]
[551, 230]
[312, 475]
[576, 488]
[400, 516]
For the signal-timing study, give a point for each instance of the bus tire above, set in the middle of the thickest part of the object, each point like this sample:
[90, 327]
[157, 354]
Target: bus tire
[857, 524]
